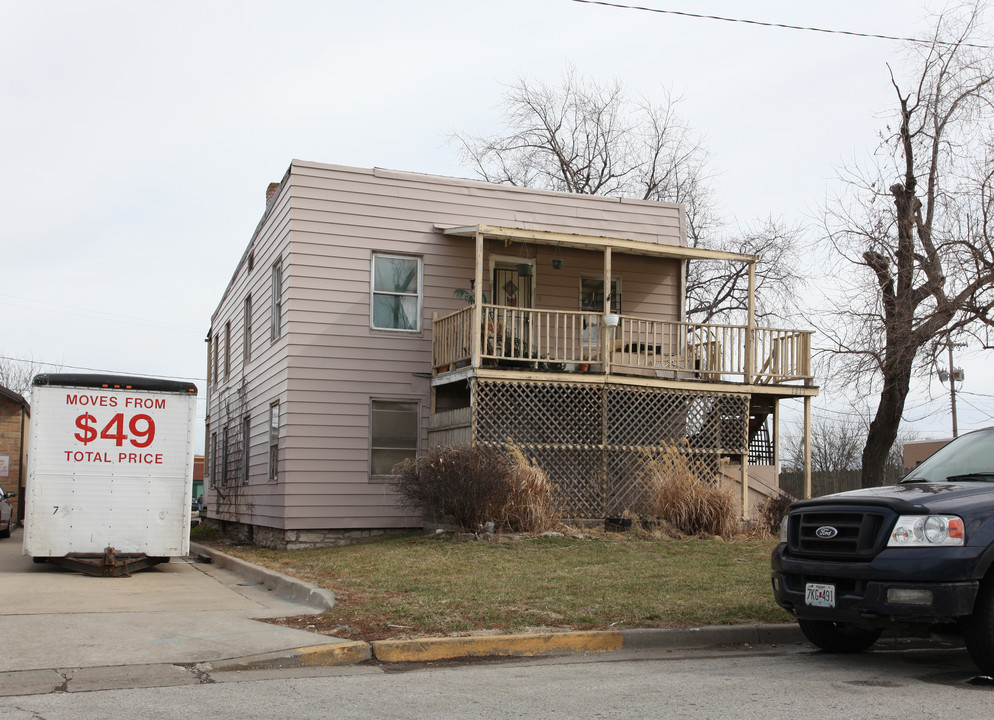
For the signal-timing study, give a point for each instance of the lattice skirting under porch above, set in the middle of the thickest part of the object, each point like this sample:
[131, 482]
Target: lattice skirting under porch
[593, 440]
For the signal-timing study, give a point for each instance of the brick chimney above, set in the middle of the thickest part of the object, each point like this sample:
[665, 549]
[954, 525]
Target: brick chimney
[271, 192]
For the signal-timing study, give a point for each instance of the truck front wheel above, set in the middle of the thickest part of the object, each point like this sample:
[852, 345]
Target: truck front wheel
[838, 637]
[978, 629]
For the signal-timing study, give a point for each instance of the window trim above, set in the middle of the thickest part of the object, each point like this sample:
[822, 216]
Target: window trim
[416, 402]
[227, 350]
[247, 344]
[226, 445]
[274, 441]
[276, 304]
[418, 295]
[246, 434]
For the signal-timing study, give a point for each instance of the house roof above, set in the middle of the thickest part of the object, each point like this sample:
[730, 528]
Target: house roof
[595, 242]
[15, 397]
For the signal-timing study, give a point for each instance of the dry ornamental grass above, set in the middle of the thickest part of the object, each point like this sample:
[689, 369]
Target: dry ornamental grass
[690, 505]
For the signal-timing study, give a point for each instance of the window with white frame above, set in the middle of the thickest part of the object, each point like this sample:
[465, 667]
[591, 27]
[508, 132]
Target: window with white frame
[227, 350]
[277, 302]
[246, 432]
[274, 439]
[247, 343]
[396, 292]
[394, 436]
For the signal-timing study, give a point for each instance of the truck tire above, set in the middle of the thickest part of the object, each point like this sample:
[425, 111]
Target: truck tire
[978, 629]
[838, 637]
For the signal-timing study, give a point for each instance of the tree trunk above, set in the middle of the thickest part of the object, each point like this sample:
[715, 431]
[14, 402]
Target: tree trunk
[883, 429]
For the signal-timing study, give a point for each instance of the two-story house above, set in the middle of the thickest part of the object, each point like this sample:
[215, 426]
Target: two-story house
[352, 336]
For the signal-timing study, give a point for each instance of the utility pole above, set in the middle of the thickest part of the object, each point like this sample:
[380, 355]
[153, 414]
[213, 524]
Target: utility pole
[953, 375]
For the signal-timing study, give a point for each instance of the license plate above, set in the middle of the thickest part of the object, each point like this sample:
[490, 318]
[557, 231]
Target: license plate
[818, 595]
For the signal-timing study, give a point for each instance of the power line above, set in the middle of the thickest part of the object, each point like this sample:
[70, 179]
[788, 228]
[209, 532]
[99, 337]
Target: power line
[99, 370]
[75, 311]
[782, 26]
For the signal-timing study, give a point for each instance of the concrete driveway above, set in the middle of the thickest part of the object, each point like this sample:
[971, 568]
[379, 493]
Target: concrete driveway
[180, 612]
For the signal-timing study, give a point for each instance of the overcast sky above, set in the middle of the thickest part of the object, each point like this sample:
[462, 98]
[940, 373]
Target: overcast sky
[138, 138]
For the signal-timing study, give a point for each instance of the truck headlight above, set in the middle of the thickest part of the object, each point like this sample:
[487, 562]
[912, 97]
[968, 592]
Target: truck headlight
[927, 531]
[783, 529]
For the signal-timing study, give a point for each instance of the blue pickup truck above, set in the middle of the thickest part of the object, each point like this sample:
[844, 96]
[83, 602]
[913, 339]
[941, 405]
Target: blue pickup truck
[908, 557]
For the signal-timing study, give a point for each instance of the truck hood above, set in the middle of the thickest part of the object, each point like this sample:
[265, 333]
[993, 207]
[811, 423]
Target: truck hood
[916, 497]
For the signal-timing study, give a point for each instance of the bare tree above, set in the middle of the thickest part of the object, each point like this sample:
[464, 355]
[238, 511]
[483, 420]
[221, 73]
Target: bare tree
[835, 446]
[17, 375]
[591, 139]
[917, 228]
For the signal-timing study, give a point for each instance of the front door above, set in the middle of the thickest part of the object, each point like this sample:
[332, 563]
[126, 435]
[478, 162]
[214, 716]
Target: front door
[514, 293]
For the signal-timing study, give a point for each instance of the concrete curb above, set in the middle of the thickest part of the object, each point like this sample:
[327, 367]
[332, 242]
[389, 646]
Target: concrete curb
[343, 652]
[285, 586]
[581, 643]
[528, 645]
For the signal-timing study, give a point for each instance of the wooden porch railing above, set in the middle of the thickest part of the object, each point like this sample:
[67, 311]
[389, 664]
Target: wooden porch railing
[562, 340]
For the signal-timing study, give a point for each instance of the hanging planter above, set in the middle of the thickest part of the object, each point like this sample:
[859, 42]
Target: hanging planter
[557, 262]
[524, 269]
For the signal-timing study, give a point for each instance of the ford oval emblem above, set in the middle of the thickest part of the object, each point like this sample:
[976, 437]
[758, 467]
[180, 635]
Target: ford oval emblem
[826, 532]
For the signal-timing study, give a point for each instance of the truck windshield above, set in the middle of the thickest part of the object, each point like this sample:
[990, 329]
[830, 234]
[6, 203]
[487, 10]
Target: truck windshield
[967, 458]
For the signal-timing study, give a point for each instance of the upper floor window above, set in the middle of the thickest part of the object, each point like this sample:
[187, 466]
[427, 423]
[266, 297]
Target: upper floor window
[396, 289]
[592, 293]
[227, 350]
[247, 344]
[214, 357]
[277, 308]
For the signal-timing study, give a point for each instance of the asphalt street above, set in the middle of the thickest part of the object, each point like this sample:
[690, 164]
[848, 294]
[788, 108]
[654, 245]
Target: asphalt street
[794, 683]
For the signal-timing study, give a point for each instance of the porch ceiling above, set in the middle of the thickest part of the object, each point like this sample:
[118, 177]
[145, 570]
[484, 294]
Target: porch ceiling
[595, 242]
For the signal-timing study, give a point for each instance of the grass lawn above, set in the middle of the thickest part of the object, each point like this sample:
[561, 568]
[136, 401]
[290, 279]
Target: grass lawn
[418, 585]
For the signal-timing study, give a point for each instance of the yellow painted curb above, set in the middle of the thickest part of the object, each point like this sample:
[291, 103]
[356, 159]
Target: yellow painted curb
[496, 646]
[341, 653]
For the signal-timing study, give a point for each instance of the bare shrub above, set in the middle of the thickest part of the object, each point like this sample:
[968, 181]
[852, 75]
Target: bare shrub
[772, 512]
[532, 505]
[690, 505]
[476, 485]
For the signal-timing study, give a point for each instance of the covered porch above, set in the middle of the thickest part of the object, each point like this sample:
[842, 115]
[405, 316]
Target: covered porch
[663, 361]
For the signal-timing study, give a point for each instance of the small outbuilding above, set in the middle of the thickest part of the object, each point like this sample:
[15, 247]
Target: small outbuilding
[14, 414]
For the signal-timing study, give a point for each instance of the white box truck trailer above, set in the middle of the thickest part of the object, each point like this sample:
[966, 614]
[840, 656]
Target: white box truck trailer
[110, 471]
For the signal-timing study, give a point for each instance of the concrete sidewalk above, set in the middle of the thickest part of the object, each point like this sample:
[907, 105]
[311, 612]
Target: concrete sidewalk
[181, 612]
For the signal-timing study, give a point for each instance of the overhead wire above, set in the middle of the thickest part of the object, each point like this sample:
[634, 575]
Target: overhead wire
[99, 370]
[782, 26]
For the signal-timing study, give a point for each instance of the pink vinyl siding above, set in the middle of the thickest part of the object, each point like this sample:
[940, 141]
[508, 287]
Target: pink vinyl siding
[326, 223]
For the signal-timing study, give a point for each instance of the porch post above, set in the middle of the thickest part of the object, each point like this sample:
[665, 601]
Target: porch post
[776, 438]
[745, 486]
[750, 338]
[605, 331]
[807, 446]
[478, 301]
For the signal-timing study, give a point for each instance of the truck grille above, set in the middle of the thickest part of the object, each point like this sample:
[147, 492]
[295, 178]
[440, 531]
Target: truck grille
[859, 533]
